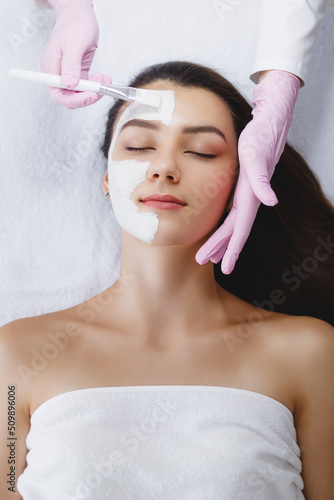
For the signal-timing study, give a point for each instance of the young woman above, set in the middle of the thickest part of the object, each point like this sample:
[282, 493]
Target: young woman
[169, 384]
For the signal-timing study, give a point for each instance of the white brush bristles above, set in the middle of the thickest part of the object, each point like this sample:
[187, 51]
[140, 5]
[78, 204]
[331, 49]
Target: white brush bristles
[148, 97]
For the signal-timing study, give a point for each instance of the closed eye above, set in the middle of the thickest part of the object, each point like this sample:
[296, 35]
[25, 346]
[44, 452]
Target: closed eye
[137, 149]
[202, 155]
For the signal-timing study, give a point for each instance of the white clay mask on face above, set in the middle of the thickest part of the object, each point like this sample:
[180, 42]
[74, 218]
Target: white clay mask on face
[124, 176]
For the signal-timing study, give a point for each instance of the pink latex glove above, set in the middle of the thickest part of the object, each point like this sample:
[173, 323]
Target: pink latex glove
[260, 146]
[71, 49]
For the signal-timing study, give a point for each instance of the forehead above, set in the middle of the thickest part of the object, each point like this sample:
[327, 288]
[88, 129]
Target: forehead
[192, 106]
[198, 107]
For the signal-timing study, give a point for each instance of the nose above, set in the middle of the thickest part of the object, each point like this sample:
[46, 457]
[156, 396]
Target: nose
[164, 166]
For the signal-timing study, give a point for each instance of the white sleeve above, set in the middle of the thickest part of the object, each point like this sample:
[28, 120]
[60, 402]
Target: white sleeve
[288, 30]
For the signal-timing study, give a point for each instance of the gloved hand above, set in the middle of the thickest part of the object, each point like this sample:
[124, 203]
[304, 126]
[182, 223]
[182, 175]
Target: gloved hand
[260, 146]
[71, 49]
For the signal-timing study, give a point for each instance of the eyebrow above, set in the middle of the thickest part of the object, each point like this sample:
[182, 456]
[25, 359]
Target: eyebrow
[151, 125]
[204, 129]
[140, 123]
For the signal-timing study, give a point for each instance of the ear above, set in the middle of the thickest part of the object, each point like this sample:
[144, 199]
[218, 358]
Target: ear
[105, 183]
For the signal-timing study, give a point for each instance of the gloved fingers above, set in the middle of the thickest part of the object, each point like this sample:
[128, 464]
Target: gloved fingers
[71, 49]
[87, 61]
[237, 241]
[255, 159]
[262, 141]
[217, 242]
[75, 38]
[260, 146]
[75, 62]
[72, 99]
[51, 63]
[245, 216]
[245, 207]
[51, 59]
[218, 255]
[259, 178]
[264, 192]
[100, 77]
[224, 237]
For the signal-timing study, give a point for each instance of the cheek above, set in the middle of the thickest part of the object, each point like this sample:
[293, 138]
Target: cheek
[118, 153]
[124, 176]
[213, 190]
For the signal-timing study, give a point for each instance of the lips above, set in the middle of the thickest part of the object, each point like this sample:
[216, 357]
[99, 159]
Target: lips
[163, 202]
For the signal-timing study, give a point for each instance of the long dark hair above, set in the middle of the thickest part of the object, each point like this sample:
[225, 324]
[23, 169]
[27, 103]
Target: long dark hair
[287, 263]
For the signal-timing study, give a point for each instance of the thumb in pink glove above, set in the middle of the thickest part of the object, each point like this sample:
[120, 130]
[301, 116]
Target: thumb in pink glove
[260, 146]
[71, 49]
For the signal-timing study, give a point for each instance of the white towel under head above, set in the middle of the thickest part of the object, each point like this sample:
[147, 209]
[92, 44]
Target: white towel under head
[162, 443]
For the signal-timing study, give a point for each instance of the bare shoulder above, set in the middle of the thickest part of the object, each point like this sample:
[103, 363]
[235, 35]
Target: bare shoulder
[299, 334]
[304, 350]
[307, 346]
[312, 327]
[15, 340]
[20, 335]
[310, 340]
[28, 345]
[312, 357]
[312, 353]
[14, 408]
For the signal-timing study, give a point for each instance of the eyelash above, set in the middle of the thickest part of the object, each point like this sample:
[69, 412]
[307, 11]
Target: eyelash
[137, 149]
[202, 155]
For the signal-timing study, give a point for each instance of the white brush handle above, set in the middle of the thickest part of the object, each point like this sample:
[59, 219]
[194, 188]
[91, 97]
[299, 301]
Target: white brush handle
[50, 80]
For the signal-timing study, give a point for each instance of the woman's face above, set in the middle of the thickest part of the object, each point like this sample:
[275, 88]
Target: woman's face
[193, 159]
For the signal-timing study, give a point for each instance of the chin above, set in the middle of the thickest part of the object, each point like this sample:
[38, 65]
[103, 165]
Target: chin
[173, 238]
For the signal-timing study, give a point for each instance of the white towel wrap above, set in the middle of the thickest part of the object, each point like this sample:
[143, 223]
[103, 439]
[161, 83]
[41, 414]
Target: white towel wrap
[162, 442]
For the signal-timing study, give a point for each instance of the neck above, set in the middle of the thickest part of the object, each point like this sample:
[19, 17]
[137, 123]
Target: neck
[166, 290]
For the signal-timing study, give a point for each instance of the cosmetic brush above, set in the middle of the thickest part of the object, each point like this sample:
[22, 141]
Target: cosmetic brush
[142, 96]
